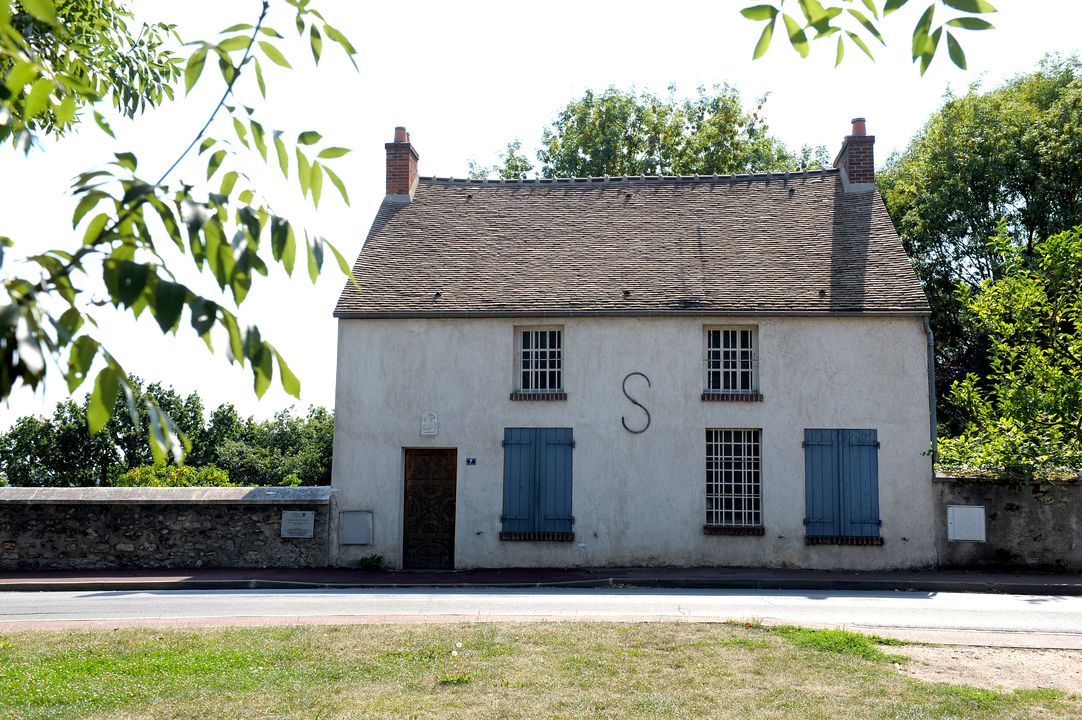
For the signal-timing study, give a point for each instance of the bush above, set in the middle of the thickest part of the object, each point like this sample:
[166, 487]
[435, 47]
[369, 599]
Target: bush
[173, 476]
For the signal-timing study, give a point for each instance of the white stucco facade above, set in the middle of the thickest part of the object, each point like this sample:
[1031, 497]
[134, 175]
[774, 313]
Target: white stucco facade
[638, 499]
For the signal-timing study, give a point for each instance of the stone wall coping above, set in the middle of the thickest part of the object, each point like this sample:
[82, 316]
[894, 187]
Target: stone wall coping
[947, 477]
[311, 495]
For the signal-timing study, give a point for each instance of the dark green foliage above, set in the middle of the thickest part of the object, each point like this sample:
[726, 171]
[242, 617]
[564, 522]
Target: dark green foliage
[226, 449]
[1011, 155]
[625, 132]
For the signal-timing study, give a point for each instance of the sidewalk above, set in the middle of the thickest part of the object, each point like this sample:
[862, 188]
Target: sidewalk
[1019, 583]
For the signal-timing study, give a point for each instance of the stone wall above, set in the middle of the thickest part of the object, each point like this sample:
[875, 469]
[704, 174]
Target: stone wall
[1037, 525]
[97, 528]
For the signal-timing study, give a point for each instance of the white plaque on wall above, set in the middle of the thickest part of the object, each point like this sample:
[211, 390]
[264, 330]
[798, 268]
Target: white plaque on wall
[298, 523]
[429, 423]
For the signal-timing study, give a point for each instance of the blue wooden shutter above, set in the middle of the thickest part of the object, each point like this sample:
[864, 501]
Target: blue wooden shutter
[859, 501]
[820, 482]
[518, 483]
[554, 479]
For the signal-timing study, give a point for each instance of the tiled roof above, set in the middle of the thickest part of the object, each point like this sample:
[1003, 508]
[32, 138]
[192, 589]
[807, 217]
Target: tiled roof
[710, 245]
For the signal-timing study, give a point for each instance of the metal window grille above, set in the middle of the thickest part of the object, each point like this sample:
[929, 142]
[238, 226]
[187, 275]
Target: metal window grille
[733, 482]
[731, 360]
[541, 361]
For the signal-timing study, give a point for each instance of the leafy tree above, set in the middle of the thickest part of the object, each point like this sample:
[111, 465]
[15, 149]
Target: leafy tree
[818, 21]
[59, 65]
[173, 476]
[1026, 416]
[624, 132]
[1012, 155]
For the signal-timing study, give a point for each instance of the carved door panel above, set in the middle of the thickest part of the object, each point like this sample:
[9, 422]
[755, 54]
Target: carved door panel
[428, 537]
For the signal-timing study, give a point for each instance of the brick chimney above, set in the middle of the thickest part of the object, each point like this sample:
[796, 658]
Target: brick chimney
[401, 167]
[857, 158]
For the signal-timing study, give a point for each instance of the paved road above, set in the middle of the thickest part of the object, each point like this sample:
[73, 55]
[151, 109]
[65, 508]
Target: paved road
[966, 618]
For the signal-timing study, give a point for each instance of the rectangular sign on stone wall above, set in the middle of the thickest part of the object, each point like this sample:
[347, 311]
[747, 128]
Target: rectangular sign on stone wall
[298, 523]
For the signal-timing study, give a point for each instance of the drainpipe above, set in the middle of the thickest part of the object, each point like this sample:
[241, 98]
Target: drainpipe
[931, 385]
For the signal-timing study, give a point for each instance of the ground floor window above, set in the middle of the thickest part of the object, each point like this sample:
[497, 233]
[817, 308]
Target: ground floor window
[733, 481]
[841, 482]
[537, 484]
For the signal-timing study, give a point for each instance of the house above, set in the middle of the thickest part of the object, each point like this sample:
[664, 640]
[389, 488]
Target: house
[699, 371]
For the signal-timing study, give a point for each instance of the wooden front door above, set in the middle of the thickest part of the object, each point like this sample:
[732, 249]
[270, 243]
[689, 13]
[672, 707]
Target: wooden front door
[428, 536]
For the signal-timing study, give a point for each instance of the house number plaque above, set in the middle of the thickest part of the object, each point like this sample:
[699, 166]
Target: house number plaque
[635, 402]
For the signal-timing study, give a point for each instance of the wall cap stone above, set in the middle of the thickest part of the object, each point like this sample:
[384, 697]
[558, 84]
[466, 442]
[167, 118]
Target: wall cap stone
[311, 495]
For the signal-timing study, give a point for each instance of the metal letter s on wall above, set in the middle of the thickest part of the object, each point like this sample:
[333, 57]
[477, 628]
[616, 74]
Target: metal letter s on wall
[635, 402]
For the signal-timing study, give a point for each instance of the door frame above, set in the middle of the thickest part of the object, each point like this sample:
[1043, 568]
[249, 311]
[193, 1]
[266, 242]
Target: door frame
[453, 451]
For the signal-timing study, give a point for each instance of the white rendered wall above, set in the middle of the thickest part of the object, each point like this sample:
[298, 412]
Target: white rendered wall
[638, 499]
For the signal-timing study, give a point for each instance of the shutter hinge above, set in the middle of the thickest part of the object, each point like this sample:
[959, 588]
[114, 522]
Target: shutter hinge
[877, 444]
[504, 444]
[803, 443]
[572, 443]
[805, 521]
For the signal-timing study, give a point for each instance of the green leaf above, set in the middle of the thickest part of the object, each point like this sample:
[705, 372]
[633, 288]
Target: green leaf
[859, 43]
[290, 383]
[236, 28]
[764, 41]
[970, 6]
[274, 54]
[308, 137]
[797, 38]
[270, 32]
[259, 78]
[958, 57]
[283, 156]
[343, 265]
[968, 23]
[892, 5]
[315, 257]
[125, 280]
[215, 163]
[841, 52]
[933, 43]
[69, 324]
[304, 172]
[65, 112]
[127, 160]
[920, 32]
[81, 357]
[100, 120]
[241, 130]
[317, 43]
[870, 4]
[337, 181]
[38, 97]
[316, 183]
[169, 300]
[229, 180]
[263, 367]
[237, 42]
[43, 10]
[341, 39]
[194, 69]
[94, 230]
[203, 313]
[103, 398]
[87, 203]
[760, 12]
[258, 138]
[868, 25]
[333, 152]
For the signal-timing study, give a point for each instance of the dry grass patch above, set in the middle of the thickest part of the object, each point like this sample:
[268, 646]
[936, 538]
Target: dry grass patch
[650, 670]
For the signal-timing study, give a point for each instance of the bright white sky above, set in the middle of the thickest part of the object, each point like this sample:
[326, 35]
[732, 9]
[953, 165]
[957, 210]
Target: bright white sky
[465, 78]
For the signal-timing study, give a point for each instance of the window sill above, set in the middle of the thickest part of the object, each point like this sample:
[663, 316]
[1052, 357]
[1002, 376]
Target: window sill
[518, 395]
[711, 396]
[734, 530]
[842, 540]
[538, 536]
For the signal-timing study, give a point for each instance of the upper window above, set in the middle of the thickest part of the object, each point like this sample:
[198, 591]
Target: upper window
[539, 364]
[732, 363]
[733, 482]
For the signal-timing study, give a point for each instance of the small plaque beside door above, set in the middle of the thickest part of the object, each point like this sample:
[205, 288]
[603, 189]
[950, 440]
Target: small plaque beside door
[429, 424]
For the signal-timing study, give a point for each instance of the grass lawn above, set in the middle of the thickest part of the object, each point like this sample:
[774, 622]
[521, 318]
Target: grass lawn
[500, 671]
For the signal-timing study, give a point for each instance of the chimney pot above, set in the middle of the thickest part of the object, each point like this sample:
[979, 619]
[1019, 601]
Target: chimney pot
[400, 135]
[857, 156]
[859, 128]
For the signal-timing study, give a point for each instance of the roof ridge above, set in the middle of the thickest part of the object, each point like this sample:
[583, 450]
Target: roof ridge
[630, 179]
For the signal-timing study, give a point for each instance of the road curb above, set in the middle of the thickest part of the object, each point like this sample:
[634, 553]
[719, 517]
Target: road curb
[798, 584]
